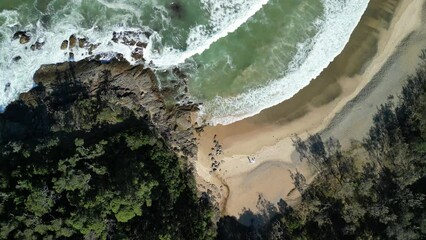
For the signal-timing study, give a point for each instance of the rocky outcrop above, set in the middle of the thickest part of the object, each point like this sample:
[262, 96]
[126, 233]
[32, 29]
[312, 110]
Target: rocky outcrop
[77, 96]
[23, 37]
[137, 41]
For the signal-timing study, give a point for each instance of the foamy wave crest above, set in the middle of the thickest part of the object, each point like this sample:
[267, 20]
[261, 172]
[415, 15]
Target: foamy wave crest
[339, 21]
[225, 17]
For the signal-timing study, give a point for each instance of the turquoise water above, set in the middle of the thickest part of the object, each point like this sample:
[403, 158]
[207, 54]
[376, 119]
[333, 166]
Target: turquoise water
[259, 51]
[241, 56]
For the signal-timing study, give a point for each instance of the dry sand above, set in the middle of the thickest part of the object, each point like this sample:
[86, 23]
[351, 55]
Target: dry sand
[340, 102]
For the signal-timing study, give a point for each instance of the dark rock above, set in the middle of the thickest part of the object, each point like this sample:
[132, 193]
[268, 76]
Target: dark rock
[37, 45]
[23, 37]
[18, 34]
[137, 54]
[6, 87]
[114, 37]
[71, 57]
[64, 45]
[17, 58]
[72, 41]
[120, 57]
[82, 42]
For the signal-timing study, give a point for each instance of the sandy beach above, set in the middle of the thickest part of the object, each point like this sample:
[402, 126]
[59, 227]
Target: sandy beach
[254, 156]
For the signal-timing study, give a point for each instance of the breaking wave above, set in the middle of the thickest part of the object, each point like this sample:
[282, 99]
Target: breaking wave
[314, 55]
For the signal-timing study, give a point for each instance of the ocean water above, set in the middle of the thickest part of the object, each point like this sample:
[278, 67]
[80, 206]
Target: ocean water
[240, 56]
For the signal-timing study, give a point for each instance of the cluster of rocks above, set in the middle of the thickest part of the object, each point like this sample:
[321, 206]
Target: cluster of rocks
[38, 44]
[136, 39]
[216, 150]
[74, 42]
[24, 37]
[131, 38]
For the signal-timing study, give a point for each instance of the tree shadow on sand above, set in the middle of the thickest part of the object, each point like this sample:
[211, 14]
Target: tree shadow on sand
[265, 210]
[249, 224]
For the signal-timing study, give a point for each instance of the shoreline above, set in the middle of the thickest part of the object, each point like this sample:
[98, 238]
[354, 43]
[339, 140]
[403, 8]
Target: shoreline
[334, 28]
[266, 136]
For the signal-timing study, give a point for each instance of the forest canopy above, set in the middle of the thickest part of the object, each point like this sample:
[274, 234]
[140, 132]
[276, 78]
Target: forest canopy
[112, 178]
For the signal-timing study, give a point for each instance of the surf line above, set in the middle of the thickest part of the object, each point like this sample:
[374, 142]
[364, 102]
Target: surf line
[199, 39]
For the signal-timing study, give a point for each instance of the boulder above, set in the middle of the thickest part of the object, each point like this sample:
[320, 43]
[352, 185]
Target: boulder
[131, 38]
[72, 41]
[23, 37]
[64, 45]
[82, 42]
[137, 54]
[38, 44]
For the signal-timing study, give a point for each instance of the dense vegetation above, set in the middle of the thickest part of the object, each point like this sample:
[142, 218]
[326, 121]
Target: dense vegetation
[374, 190]
[93, 171]
[112, 179]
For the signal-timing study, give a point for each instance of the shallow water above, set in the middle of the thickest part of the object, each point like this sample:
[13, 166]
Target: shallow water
[241, 56]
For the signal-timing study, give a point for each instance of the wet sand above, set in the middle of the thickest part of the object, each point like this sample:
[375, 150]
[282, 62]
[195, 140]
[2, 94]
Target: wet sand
[382, 51]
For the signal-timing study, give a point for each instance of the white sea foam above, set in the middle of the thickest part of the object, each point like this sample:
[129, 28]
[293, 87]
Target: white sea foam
[226, 16]
[340, 19]
[17, 76]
